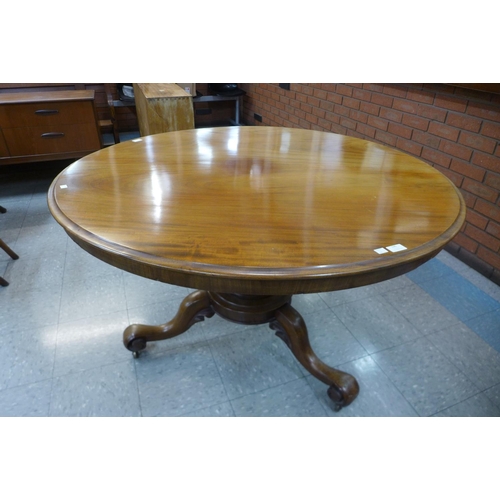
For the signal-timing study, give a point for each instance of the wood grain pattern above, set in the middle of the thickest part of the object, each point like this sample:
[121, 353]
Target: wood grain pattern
[41, 96]
[257, 210]
[46, 112]
[44, 125]
[163, 107]
[4, 150]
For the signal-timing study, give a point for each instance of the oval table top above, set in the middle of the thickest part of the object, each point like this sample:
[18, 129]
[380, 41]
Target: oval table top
[257, 210]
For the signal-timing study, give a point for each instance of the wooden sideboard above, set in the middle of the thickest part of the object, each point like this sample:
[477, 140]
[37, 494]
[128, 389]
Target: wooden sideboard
[37, 126]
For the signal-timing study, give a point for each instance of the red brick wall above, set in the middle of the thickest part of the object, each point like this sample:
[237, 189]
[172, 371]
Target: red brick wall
[455, 129]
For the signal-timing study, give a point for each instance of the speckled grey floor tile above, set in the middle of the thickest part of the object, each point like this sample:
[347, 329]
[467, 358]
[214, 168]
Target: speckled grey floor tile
[487, 326]
[253, 360]
[484, 284]
[89, 343]
[219, 410]
[14, 217]
[38, 218]
[351, 295]
[28, 309]
[493, 394]
[37, 239]
[45, 270]
[364, 292]
[80, 265]
[392, 284]
[309, 302]
[330, 339]
[178, 381]
[3, 267]
[141, 291]
[293, 399]
[476, 406]
[378, 397]
[27, 356]
[420, 309]
[468, 352]
[91, 297]
[425, 377]
[31, 400]
[38, 204]
[473, 276]
[106, 391]
[9, 236]
[452, 262]
[12, 191]
[432, 269]
[460, 296]
[376, 324]
[218, 327]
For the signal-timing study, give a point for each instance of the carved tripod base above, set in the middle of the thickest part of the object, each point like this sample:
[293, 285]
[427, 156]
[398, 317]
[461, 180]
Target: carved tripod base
[250, 310]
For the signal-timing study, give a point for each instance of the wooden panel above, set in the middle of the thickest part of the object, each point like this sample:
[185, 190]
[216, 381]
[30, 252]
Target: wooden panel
[63, 95]
[55, 139]
[161, 90]
[46, 113]
[126, 116]
[482, 87]
[6, 88]
[4, 150]
[48, 124]
[163, 108]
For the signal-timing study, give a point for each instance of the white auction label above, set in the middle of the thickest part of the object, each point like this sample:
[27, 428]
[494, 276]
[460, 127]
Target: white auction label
[396, 248]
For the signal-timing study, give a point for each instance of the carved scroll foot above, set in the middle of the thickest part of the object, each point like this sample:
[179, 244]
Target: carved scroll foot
[193, 309]
[291, 328]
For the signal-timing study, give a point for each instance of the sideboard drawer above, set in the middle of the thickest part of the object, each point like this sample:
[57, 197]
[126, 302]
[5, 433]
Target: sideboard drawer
[52, 125]
[45, 113]
[46, 140]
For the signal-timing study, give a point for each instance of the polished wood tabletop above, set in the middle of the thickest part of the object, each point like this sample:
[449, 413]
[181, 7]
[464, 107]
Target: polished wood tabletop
[257, 209]
[250, 216]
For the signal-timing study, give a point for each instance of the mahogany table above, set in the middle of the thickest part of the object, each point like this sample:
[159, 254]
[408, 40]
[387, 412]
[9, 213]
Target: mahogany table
[250, 216]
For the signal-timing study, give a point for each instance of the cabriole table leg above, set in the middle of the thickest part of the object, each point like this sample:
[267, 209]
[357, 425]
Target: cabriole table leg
[291, 328]
[193, 309]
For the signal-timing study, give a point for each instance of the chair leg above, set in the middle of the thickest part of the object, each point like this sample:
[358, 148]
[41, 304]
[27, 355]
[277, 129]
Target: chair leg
[8, 250]
[116, 135]
[11, 253]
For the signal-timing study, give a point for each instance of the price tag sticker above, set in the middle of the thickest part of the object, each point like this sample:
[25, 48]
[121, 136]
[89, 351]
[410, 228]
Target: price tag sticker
[393, 248]
[396, 248]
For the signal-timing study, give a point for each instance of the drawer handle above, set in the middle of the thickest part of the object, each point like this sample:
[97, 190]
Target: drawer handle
[50, 135]
[46, 112]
